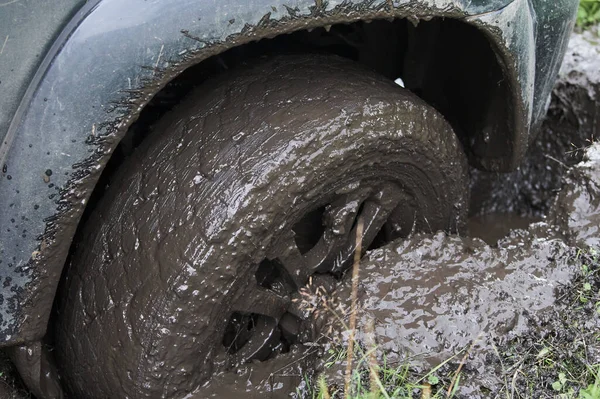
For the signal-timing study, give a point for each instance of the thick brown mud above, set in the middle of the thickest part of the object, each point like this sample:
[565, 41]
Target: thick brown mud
[433, 295]
[492, 227]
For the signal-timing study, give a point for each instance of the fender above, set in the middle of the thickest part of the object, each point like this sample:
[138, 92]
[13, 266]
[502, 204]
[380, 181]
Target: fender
[116, 56]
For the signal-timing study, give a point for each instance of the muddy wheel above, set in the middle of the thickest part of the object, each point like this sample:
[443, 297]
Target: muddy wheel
[250, 186]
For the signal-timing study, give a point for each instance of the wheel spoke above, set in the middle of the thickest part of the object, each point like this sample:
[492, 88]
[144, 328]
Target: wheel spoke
[290, 326]
[375, 213]
[292, 260]
[338, 220]
[262, 301]
[265, 336]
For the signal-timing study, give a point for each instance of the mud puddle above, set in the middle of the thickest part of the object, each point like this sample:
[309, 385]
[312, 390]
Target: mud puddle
[492, 227]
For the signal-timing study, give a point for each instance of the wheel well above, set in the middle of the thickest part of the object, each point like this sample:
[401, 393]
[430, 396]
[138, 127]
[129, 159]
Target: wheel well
[447, 62]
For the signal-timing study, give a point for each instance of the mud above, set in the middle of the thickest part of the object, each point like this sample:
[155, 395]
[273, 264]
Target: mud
[577, 207]
[281, 377]
[494, 226]
[433, 295]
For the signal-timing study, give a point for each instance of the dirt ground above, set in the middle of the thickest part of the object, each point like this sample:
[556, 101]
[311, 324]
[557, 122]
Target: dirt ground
[519, 299]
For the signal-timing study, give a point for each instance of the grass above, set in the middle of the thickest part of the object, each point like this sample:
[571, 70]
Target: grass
[555, 360]
[382, 380]
[588, 13]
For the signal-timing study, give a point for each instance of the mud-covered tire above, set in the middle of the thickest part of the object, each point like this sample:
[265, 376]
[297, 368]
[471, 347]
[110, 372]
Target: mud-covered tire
[176, 239]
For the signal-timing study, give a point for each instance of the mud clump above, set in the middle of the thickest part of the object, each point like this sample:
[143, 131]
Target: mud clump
[433, 295]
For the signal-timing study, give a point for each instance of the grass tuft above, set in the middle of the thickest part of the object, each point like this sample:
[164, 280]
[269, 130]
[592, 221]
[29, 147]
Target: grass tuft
[588, 13]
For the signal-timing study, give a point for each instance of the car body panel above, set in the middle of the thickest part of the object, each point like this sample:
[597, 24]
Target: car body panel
[28, 28]
[117, 54]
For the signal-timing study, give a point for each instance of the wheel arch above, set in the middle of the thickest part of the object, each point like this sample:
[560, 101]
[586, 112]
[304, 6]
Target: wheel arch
[62, 138]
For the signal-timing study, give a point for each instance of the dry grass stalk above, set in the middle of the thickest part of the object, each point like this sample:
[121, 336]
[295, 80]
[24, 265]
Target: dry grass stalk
[354, 306]
[372, 357]
[460, 366]
[426, 392]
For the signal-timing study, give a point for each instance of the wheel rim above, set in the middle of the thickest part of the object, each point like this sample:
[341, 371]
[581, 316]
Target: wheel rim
[268, 307]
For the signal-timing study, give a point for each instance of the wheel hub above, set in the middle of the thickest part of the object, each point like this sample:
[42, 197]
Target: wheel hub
[269, 314]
